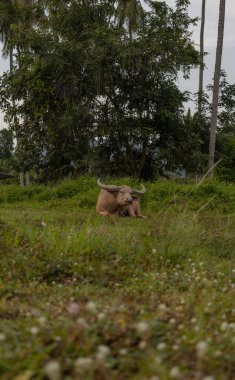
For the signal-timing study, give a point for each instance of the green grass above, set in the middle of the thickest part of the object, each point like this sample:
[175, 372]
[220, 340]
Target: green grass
[71, 282]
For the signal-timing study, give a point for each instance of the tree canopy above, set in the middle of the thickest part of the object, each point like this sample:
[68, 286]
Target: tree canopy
[95, 87]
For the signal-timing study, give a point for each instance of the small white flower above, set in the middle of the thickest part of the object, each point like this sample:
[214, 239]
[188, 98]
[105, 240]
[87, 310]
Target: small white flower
[193, 320]
[42, 320]
[143, 329]
[162, 307]
[57, 338]
[158, 360]
[43, 224]
[224, 326]
[202, 349]
[91, 307]
[2, 337]
[73, 308]
[217, 354]
[142, 345]
[154, 250]
[172, 321]
[82, 364]
[34, 330]
[123, 351]
[82, 324]
[102, 352]
[175, 372]
[53, 370]
[161, 346]
[101, 316]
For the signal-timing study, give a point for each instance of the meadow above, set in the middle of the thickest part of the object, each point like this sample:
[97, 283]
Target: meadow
[90, 298]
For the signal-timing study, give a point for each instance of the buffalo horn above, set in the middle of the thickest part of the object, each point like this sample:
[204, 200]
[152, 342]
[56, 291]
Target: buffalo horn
[108, 187]
[142, 191]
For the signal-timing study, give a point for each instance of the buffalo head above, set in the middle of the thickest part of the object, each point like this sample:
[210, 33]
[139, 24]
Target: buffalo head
[124, 195]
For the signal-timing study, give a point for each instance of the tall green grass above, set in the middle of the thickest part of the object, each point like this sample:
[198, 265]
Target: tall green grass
[149, 292]
[83, 193]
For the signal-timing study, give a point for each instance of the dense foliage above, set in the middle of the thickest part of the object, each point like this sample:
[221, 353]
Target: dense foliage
[86, 90]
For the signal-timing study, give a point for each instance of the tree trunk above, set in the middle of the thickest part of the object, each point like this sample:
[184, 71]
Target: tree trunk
[215, 98]
[11, 60]
[22, 179]
[142, 159]
[201, 67]
[27, 178]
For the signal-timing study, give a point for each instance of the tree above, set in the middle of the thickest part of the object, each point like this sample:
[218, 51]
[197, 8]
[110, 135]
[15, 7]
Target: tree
[87, 88]
[16, 18]
[215, 98]
[201, 66]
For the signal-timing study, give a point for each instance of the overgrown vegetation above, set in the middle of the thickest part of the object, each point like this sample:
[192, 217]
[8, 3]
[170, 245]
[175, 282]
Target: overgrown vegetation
[84, 297]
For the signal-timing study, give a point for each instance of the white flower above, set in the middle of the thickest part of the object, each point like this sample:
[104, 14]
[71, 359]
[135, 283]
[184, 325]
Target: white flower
[123, 351]
[161, 346]
[202, 349]
[42, 320]
[102, 352]
[142, 345]
[175, 372]
[73, 308]
[217, 354]
[43, 224]
[91, 307]
[2, 337]
[34, 330]
[224, 326]
[53, 370]
[82, 324]
[154, 250]
[162, 307]
[82, 364]
[158, 360]
[101, 316]
[143, 329]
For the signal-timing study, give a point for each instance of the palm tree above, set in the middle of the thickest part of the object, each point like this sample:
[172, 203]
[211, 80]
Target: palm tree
[217, 74]
[130, 11]
[201, 67]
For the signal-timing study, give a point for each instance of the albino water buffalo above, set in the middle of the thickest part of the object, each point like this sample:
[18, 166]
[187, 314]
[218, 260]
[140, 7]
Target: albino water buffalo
[119, 200]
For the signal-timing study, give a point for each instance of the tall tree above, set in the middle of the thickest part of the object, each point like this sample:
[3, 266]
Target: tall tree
[201, 66]
[13, 14]
[217, 75]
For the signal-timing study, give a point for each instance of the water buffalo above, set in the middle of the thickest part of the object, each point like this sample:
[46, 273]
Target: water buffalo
[119, 200]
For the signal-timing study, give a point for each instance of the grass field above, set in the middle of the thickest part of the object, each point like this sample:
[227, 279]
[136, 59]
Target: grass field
[84, 297]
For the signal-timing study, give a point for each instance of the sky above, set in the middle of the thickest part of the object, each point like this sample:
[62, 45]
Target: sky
[211, 28]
